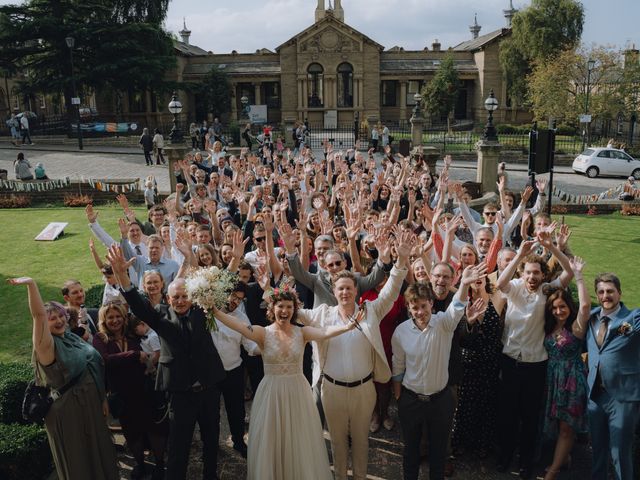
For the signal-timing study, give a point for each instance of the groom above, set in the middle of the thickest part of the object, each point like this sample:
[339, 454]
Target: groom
[613, 342]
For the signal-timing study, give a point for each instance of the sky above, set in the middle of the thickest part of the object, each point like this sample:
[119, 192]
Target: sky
[221, 26]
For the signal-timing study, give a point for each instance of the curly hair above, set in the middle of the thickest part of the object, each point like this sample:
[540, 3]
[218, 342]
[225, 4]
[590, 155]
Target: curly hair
[283, 295]
[532, 258]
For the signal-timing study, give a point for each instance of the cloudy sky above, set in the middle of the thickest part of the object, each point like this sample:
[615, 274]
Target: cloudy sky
[247, 25]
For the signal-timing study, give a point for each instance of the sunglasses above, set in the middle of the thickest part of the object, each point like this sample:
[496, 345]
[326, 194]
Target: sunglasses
[334, 264]
[491, 214]
[259, 239]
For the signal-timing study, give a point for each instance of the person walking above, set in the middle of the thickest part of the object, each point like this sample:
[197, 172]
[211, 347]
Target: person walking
[14, 124]
[146, 141]
[24, 128]
[158, 145]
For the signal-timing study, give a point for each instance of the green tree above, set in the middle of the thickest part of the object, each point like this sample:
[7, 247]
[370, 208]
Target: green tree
[119, 45]
[440, 94]
[215, 92]
[539, 32]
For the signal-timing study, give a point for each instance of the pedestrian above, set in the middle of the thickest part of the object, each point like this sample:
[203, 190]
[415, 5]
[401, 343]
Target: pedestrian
[375, 138]
[149, 195]
[246, 135]
[193, 133]
[146, 141]
[14, 124]
[24, 128]
[22, 167]
[158, 145]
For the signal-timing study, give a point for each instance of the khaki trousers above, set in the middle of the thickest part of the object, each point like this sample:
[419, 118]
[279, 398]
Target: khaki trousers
[348, 413]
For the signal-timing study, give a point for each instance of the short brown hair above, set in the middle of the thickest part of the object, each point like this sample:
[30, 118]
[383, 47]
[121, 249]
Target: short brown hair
[533, 258]
[418, 291]
[345, 274]
[607, 278]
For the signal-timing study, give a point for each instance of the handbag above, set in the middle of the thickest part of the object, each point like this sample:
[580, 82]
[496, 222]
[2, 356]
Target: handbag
[38, 399]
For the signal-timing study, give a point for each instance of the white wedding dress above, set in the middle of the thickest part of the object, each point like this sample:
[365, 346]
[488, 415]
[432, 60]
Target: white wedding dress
[285, 434]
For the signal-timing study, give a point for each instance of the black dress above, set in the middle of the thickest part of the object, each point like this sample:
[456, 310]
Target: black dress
[476, 414]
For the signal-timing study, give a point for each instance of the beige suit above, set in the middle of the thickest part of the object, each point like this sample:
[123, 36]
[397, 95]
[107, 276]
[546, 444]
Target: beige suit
[348, 410]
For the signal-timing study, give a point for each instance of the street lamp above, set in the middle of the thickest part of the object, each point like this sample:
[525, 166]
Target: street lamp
[585, 130]
[244, 100]
[175, 107]
[490, 105]
[75, 100]
[416, 110]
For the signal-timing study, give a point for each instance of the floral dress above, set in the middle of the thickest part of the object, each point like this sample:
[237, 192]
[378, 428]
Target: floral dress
[566, 393]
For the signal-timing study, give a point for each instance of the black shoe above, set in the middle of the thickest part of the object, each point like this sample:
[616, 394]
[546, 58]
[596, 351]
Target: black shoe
[138, 472]
[526, 473]
[241, 448]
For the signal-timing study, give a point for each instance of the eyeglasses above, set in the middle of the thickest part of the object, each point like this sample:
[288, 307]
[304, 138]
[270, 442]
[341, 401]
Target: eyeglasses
[334, 264]
[259, 239]
[491, 214]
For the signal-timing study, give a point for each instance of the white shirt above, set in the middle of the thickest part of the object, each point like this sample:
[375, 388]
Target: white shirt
[349, 356]
[252, 257]
[228, 341]
[151, 344]
[421, 357]
[523, 335]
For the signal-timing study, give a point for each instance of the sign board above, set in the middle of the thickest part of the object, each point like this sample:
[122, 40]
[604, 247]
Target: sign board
[75, 100]
[257, 114]
[52, 231]
[331, 119]
[584, 118]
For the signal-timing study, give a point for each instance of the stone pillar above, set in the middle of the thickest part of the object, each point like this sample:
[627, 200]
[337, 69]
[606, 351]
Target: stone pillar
[403, 101]
[488, 159]
[174, 153]
[417, 122]
[256, 90]
[234, 106]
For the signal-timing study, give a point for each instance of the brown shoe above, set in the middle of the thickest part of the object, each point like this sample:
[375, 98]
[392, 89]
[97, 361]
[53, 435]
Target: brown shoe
[449, 468]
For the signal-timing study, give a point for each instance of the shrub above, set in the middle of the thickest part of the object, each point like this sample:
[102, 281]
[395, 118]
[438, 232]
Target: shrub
[24, 452]
[15, 201]
[14, 378]
[93, 296]
[77, 200]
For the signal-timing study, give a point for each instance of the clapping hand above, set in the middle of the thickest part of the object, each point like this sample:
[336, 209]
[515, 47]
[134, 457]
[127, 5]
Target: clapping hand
[475, 311]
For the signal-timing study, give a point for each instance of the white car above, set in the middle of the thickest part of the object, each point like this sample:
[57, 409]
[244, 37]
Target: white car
[606, 162]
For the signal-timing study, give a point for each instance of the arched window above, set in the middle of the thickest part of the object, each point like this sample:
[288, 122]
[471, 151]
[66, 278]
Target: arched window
[345, 85]
[315, 85]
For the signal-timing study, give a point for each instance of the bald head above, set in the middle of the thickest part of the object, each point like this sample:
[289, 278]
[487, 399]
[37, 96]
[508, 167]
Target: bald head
[178, 298]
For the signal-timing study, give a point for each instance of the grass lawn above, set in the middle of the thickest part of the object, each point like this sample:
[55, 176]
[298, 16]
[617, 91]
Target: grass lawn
[608, 243]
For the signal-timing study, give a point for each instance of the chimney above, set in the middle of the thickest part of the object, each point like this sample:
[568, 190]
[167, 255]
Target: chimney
[509, 13]
[475, 28]
[184, 33]
[320, 10]
[435, 46]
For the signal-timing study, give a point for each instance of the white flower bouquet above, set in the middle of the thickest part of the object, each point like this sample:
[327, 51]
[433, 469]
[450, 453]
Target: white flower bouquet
[208, 288]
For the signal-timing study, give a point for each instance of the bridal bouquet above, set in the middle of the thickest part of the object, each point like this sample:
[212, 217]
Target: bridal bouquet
[208, 288]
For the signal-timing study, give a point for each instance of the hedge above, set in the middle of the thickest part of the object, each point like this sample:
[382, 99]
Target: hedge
[24, 452]
[93, 296]
[14, 378]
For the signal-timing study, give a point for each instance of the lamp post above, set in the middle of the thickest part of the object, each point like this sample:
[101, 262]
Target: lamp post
[244, 100]
[585, 130]
[490, 104]
[417, 113]
[175, 107]
[75, 100]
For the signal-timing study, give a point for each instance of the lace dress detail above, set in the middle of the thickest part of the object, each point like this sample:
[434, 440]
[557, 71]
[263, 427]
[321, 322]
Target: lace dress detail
[282, 354]
[284, 416]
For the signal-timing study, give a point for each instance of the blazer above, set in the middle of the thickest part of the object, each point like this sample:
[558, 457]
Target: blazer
[618, 359]
[187, 352]
[376, 310]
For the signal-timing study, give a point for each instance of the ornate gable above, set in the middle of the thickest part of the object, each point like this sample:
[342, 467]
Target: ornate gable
[329, 36]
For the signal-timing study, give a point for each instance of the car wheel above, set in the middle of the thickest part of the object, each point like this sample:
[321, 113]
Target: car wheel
[636, 174]
[592, 172]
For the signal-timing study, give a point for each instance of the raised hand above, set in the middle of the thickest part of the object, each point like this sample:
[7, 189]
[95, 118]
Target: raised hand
[526, 194]
[238, 244]
[179, 188]
[502, 182]
[473, 273]
[577, 265]
[21, 281]
[475, 311]
[183, 242]
[288, 237]
[124, 228]
[527, 247]
[406, 242]
[92, 215]
[563, 236]
[261, 274]
[119, 264]
[541, 184]
[353, 224]
[123, 201]
[544, 237]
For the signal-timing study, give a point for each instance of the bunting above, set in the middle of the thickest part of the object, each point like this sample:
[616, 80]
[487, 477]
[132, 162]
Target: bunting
[37, 186]
[611, 194]
[113, 187]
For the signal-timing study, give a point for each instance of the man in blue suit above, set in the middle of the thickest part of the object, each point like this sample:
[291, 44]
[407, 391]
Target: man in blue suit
[613, 342]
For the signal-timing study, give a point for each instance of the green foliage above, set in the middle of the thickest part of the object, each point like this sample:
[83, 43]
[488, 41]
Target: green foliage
[234, 131]
[93, 296]
[215, 92]
[513, 129]
[539, 32]
[24, 452]
[14, 378]
[439, 95]
[118, 44]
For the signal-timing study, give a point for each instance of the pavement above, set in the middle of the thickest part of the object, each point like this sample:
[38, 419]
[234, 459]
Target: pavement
[121, 161]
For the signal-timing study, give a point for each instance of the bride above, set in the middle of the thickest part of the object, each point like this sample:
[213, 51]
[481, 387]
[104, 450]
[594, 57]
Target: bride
[285, 434]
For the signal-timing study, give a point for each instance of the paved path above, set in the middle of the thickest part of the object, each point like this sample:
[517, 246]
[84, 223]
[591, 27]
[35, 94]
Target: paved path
[128, 162]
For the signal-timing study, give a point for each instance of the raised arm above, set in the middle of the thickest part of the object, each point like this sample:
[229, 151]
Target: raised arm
[96, 228]
[567, 274]
[252, 332]
[318, 334]
[41, 335]
[525, 249]
[579, 327]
